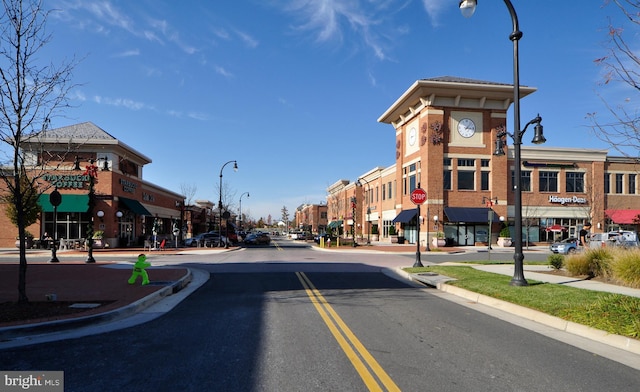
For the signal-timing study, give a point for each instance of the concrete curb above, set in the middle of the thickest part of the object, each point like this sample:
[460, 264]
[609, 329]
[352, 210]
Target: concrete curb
[8, 333]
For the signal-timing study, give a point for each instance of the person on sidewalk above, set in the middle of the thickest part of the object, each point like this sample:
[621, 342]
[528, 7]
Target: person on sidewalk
[584, 235]
[139, 270]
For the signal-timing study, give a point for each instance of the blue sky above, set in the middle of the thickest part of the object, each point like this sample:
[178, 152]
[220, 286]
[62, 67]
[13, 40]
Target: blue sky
[292, 90]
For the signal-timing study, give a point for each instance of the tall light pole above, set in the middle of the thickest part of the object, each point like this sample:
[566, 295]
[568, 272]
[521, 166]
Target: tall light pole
[235, 168]
[246, 193]
[468, 7]
[368, 196]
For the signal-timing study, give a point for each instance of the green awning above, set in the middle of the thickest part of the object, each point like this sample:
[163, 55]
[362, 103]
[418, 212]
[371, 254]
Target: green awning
[334, 224]
[134, 206]
[70, 203]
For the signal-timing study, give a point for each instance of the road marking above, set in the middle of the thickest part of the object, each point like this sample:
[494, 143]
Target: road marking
[277, 246]
[341, 331]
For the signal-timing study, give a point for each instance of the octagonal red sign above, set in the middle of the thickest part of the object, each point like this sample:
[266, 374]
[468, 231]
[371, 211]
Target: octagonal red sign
[418, 196]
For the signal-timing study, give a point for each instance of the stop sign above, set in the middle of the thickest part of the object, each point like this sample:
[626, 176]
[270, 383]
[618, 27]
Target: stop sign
[418, 196]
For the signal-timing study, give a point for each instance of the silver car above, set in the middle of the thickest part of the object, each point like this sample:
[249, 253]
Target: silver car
[621, 238]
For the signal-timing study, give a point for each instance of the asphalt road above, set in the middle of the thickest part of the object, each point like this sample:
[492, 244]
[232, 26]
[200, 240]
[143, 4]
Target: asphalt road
[287, 318]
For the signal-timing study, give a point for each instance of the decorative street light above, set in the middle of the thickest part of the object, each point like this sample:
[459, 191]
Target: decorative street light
[246, 193]
[91, 171]
[353, 216]
[467, 7]
[55, 198]
[235, 168]
[368, 196]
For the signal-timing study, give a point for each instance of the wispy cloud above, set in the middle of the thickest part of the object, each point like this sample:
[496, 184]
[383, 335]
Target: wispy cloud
[220, 70]
[331, 20]
[434, 8]
[122, 102]
[128, 53]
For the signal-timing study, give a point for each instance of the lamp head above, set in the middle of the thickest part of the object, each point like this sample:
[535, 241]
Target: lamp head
[468, 7]
[499, 150]
[235, 166]
[538, 137]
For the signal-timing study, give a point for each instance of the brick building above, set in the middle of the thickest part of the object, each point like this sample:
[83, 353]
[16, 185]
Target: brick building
[446, 130]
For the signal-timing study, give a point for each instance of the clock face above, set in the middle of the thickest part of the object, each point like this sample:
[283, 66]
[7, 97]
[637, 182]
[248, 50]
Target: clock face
[466, 127]
[413, 135]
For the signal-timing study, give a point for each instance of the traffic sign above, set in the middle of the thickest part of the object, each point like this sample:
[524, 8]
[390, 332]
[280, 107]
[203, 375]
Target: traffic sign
[418, 196]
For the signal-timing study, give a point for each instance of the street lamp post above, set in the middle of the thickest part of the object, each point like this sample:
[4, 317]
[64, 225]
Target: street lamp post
[353, 216]
[468, 8]
[235, 168]
[92, 172]
[246, 193]
[368, 196]
[55, 198]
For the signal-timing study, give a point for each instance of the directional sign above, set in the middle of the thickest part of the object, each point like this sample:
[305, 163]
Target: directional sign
[418, 196]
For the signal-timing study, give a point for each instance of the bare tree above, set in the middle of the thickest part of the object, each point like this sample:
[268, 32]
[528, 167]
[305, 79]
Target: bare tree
[188, 191]
[30, 95]
[622, 66]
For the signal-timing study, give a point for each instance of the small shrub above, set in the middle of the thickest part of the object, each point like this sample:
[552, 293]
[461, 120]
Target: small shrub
[600, 260]
[578, 264]
[556, 261]
[626, 268]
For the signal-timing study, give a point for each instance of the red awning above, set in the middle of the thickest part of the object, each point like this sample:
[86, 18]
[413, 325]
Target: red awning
[624, 216]
[556, 228]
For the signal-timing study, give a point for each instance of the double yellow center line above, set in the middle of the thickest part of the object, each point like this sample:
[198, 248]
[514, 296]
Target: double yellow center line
[362, 360]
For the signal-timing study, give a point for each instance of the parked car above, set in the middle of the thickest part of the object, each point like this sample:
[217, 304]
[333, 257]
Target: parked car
[566, 246]
[257, 239]
[211, 239]
[326, 236]
[614, 238]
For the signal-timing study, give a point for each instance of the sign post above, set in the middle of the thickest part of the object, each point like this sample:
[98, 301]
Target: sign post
[418, 196]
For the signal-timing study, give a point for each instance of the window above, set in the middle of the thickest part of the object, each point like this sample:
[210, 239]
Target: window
[484, 163]
[410, 178]
[446, 180]
[525, 180]
[574, 182]
[548, 181]
[390, 192]
[607, 183]
[466, 180]
[619, 182]
[632, 184]
[484, 180]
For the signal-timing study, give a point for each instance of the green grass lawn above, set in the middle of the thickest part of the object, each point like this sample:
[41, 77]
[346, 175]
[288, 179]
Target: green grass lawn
[613, 313]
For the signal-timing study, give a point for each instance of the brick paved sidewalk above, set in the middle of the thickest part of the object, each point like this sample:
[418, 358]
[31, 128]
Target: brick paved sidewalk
[81, 282]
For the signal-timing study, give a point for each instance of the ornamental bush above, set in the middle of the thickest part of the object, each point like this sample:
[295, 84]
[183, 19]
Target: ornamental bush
[556, 261]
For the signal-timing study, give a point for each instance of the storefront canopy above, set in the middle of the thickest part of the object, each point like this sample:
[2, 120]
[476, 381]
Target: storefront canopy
[405, 216]
[470, 214]
[334, 224]
[70, 203]
[624, 217]
[134, 206]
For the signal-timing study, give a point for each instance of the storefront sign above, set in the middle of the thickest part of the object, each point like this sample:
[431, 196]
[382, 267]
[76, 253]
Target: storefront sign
[66, 181]
[147, 197]
[128, 186]
[567, 200]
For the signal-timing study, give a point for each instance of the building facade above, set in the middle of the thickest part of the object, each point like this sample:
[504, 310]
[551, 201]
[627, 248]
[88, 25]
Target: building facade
[126, 210]
[446, 131]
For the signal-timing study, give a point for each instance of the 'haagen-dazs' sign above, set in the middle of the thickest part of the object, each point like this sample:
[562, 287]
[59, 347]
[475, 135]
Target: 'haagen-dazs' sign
[567, 200]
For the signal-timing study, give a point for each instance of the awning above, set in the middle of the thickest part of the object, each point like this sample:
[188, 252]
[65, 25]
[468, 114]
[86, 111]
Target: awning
[556, 228]
[405, 216]
[70, 203]
[470, 214]
[134, 206]
[624, 216]
[334, 224]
